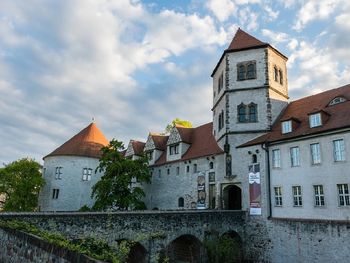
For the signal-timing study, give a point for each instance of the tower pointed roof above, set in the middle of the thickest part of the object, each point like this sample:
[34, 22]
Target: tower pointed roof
[242, 40]
[88, 142]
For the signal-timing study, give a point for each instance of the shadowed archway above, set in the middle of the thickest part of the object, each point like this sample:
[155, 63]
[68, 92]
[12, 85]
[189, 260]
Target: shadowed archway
[185, 249]
[232, 197]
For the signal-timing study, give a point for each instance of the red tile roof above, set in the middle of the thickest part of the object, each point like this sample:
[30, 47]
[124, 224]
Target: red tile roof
[87, 142]
[336, 116]
[243, 40]
[160, 141]
[138, 147]
[185, 133]
[202, 143]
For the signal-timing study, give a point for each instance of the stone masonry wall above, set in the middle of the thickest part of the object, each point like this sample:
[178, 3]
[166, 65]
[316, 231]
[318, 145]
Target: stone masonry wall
[16, 246]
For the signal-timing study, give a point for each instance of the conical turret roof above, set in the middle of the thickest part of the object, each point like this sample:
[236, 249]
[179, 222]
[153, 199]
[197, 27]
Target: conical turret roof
[87, 142]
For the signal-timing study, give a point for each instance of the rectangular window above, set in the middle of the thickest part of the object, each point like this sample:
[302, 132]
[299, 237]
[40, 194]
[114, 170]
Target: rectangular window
[211, 177]
[221, 120]
[315, 153]
[58, 173]
[177, 170]
[87, 172]
[150, 155]
[294, 156]
[286, 127]
[339, 150]
[276, 158]
[187, 168]
[278, 196]
[297, 199]
[315, 120]
[319, 195]
[343, 194]
[55, 193]
[168, 171]
[174, 149]
[195, 168]
[221, 82]
[159, 173]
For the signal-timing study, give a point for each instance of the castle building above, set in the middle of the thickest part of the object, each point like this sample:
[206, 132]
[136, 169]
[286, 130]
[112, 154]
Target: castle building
[69, 171]
[262, 153]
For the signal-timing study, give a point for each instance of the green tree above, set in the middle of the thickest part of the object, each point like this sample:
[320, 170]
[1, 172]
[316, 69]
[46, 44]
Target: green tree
[114, 190]
[20, 184]
[178, 121]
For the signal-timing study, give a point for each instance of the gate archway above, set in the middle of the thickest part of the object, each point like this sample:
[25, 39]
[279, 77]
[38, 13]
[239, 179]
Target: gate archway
[232, 197]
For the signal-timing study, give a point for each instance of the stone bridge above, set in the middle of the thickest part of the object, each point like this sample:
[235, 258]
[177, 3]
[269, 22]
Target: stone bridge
[177, 234]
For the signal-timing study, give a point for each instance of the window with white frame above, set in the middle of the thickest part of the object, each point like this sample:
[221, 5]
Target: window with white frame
[343, 194]
[276, 158]
[319, 195]
[315, 120]
[174, 149]
[315, 153]
[295, 156]
[339, 150]
[278, 196]
[297, 198]
[286, 126]
[58, 173]
[87, 172]
[55, 193]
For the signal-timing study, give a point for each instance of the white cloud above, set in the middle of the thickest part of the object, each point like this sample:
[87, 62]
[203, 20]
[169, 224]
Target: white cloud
[248, 19]
[222, 9]
[315, 10]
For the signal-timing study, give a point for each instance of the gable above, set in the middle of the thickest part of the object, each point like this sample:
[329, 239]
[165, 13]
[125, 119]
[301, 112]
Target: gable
[174, 136]
[129, 150]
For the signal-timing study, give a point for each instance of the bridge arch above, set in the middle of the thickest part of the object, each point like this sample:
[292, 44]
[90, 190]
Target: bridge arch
[137, 254]
[185, 249]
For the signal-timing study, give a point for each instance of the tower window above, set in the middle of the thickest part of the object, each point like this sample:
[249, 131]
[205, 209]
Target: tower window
[211, 165]
[247, 113]
[246, 70]
[221, 120]
[252, 112]
[281, 76]
[221, 82]
[276, 74]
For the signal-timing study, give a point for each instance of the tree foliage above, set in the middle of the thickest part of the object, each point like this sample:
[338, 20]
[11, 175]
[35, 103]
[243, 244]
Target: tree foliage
[178, 121]
[115, 190]
[20, 184]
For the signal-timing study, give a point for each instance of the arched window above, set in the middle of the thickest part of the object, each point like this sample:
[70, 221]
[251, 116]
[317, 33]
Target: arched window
[252, 112]
[276, 74]
[241, 109]
[254, 158]
[241, 72]
[181, 202]
[211, 165]
[251, 71]
[281, 76]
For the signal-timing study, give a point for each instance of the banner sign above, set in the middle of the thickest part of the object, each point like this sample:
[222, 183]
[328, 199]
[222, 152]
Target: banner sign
[201, 192]
[255, 189]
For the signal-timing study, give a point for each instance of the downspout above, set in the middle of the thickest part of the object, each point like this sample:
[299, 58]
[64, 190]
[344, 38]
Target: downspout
[265, 146]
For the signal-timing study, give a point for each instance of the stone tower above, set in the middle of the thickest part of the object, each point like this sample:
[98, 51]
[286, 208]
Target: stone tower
[69, 171]
[250, 90]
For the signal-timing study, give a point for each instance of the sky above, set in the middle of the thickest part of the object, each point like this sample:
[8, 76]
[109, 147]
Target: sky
[134, 65]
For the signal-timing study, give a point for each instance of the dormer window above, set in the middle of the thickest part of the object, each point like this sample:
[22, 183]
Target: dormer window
[336, 100]
[246, 70]
[174, 149]
[221, 82]
[315, 120]
[286, 126]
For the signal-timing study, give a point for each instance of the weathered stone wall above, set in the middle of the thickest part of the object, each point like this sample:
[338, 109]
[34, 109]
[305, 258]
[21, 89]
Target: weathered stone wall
[154, 230]
[16, 246]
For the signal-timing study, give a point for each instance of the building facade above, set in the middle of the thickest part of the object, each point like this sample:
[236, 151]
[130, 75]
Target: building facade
[262, 153]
